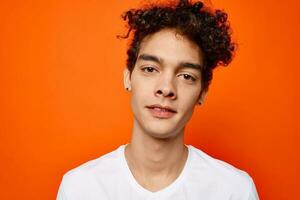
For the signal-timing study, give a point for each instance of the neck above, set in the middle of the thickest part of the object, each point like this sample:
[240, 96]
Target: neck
[149, 157]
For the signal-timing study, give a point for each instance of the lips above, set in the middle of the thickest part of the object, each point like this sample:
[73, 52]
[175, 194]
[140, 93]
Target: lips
[162, 108]
[160, 111]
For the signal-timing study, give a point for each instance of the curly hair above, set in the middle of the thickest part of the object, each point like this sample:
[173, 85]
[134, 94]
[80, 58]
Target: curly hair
[208, 28]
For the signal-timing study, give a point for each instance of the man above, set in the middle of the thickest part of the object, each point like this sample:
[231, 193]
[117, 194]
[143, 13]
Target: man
[170, 61]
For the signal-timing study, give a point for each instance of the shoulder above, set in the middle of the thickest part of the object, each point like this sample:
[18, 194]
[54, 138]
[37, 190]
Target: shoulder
[104, 164]
[91, 174]
[221, 174]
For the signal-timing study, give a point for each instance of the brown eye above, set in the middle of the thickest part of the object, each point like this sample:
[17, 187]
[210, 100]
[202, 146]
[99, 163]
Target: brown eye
[188, 77]
[148, 69]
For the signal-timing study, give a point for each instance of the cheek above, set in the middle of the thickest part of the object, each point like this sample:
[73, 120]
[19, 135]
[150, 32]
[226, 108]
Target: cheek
[189, 97]
[142, 87]
[139, 99]
[141, 92]
[189, 104]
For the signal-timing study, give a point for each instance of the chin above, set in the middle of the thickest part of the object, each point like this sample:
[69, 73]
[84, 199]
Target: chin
[161, 136]
[161, 132]
[158, 128]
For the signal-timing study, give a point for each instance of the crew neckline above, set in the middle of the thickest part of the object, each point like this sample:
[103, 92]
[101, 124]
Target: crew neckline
[147, 193]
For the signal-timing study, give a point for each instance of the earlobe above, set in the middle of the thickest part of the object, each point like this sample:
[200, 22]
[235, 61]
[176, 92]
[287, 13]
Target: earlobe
[126, 79]
[202, 96]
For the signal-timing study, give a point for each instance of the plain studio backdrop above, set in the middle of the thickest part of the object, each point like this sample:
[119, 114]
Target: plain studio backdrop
[62, 100]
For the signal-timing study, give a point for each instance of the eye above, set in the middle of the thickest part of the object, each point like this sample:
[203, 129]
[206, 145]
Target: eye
[188, 77]
[148, 69]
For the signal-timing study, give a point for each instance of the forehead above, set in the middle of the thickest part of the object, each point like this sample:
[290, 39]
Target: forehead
[171, 47]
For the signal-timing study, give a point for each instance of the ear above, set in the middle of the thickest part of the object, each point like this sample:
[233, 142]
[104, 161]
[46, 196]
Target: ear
[202, 96]
[126, 79]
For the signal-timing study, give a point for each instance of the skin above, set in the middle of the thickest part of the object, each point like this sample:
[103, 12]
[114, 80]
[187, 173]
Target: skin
[166, 73]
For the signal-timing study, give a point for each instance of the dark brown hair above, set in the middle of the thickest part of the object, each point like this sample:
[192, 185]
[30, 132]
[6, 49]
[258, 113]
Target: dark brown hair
[208, 28]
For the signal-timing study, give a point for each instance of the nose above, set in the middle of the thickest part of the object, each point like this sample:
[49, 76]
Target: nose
[165, 88]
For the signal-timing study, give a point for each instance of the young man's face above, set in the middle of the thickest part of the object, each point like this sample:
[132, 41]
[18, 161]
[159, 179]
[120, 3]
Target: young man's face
[165, 83]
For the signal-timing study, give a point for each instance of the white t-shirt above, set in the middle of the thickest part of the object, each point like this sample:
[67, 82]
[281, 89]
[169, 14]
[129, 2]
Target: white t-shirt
[202, 178]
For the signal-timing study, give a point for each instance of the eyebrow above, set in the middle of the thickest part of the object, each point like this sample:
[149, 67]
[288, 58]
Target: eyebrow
[148, 57]
[191, 65]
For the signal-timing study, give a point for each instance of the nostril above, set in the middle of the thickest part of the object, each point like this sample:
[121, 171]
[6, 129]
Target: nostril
[166, 93]
[171, 94]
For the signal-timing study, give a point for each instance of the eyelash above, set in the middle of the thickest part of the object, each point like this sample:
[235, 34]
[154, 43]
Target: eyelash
[187, 76]
[144, 69]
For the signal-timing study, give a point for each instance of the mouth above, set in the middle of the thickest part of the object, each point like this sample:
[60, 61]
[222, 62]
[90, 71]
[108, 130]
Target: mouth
[160, 111]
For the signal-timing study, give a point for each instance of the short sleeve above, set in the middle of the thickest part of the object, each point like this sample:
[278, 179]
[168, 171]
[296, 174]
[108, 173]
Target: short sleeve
[252, 192]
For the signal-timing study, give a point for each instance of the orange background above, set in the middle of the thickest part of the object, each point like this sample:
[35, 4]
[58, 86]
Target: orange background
[62, 100]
